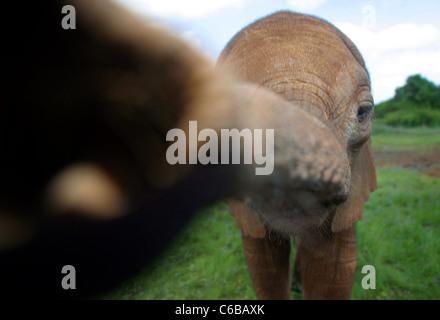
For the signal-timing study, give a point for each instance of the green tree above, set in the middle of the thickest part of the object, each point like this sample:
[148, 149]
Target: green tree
[414, 104]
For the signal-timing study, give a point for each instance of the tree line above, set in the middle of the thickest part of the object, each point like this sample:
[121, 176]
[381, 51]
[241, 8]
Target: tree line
[416, 103]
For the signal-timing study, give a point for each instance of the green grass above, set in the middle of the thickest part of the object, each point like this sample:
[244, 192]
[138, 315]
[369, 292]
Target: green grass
[205, 262]
[399, 235]
[414, 139]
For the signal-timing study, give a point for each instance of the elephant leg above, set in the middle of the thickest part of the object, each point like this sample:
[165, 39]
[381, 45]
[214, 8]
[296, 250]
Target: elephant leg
[268, 262]
[327, 272]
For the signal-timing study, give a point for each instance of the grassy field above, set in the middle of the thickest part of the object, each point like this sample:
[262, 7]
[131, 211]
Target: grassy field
[420, 138]
[399, 235]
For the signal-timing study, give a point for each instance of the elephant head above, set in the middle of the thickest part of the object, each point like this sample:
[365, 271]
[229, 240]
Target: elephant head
[324, 161]
[316, 68]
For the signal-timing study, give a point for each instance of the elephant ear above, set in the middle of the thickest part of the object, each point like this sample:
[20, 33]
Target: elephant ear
[363, 182]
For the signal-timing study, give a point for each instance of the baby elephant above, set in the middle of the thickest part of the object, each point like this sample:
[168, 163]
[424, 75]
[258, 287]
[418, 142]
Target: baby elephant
[320, 72]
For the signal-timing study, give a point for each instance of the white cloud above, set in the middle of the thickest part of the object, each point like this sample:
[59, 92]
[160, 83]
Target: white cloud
[304, 5]
[413, 62]
[394, 53]
[181, 8]
[397, 37]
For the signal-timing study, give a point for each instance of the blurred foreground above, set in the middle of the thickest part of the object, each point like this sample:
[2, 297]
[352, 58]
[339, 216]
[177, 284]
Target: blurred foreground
[399, 235]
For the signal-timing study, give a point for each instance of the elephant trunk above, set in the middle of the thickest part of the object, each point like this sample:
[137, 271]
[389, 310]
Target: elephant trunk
[311, 169]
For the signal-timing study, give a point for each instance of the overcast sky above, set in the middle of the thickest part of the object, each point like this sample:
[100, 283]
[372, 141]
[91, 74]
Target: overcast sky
[397, 38]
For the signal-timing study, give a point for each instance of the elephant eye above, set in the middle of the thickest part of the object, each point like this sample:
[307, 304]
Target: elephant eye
[363, 113]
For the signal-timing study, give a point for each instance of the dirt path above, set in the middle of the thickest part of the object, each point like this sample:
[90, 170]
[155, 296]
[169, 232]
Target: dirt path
[426, 162]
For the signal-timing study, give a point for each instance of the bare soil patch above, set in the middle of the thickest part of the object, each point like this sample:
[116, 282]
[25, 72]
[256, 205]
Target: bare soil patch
[426, 162]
